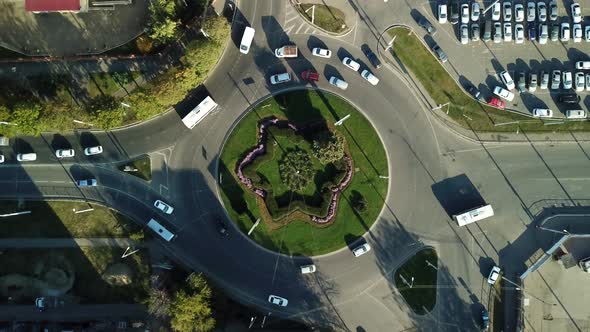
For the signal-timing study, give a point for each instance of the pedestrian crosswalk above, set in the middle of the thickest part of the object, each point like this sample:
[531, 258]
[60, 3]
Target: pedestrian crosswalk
[295, 24]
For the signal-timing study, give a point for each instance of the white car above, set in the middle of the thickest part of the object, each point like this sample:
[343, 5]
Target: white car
[539, 113]
[348, 62]
[281, 302]
[369, 77]
[338, 83]
[579, 81]
[475, 11]
[64, 153]
[553, 12]
[503, 93]
[361, 250]
[507, 32]
[494, 274]
[565, 32]
[507, 10]
[464, 34]
[464, 13]
[1, 158]
[497, 32]
[518, 12]
[567, 79]
[507, 80]
[26, 157]
[93, 150]
[442, 14]
[321, 52]
[577, 33]
[555, 79]
[543, 33]
[280, 78]
[305, 269]
[496, 11]
[576, 12]
[587, 33]
[575, 114]
[542, 11]
[519, 33]
[531, 9]
[163, 207]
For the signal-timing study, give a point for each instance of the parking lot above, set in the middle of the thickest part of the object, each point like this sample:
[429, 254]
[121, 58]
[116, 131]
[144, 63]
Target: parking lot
[480, 63]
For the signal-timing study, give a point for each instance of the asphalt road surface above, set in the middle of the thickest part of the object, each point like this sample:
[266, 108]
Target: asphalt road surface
[430, 169]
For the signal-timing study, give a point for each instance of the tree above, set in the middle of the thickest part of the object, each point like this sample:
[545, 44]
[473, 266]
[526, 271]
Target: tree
[27, 117]
[106, 111]
[295, 169]
[190, 309]
[328, 147]
[163, 23]
[159, 303]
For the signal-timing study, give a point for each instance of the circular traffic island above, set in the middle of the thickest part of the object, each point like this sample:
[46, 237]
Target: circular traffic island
[314, 186]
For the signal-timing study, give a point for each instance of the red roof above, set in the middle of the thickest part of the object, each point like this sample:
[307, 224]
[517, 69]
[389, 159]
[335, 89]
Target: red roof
[52, 5]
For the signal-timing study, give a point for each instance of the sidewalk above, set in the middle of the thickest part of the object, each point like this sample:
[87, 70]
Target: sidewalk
[64, 242]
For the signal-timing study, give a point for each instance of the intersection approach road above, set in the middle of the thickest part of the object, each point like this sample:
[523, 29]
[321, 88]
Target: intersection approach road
[347, 293]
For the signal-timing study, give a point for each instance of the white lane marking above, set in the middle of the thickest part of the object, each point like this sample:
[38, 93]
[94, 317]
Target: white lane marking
[287, 30]
[307, 29]
[300, 26]
[287, 20]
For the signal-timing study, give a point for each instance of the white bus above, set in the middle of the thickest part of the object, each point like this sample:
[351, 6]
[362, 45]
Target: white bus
[474, 215]
[247, 40]
[161, 230]
[198, 113]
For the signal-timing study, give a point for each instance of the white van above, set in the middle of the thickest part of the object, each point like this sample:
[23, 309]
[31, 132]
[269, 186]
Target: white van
[575, 114]
[247, 40]
[26, 157]
[161, 230]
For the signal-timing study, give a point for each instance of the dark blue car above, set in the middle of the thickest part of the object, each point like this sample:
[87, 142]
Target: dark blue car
[532, 31]
[485, 319]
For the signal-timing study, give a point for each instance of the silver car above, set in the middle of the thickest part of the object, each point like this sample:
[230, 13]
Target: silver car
[475, 32]
[507, 10]
[553, 10]
[555, 79]
[464, 30]
[507, 32]
[542, 11]
[497, 32]
[567, 79]
[544, 80]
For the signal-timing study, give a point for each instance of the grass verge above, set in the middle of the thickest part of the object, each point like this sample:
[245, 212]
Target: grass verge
[299, 237]
[326, 17]
[442, 88]
[58, 220]
[88, 265]
[421, 297]
[142, 168]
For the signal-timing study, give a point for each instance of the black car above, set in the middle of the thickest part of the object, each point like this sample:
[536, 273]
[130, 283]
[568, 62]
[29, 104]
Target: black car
[442, 56]
[423, 22]
[569, 98]
[222, 228]
[454, 12]
[371, 56]
[475, 92]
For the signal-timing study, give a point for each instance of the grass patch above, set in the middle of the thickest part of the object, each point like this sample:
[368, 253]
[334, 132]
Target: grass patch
[443, 89]
[326, 17]
[422, 296]
[142, 168]
[88, 264]
[370, 161]
[58, 220]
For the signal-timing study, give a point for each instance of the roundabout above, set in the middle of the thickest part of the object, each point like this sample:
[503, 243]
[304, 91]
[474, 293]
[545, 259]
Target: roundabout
[341, 200]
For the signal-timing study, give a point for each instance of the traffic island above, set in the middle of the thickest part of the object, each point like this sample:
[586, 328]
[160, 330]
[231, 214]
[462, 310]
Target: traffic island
[416, 280]
[325, 17]
[314, 186]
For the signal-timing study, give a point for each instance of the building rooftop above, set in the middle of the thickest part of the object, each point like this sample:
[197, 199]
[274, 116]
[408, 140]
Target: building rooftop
[52, 5]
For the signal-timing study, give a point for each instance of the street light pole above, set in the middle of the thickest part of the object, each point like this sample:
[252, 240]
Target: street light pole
[562, 232]
[488, 7]
[253, 226]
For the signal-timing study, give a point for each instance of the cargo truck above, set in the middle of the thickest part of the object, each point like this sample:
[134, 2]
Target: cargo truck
[287, 51]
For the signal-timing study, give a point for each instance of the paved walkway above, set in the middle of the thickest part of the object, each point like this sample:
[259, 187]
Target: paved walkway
[63, 243]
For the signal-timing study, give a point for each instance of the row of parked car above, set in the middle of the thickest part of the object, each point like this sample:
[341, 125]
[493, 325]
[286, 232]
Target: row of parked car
[59, 153]
[460, 12]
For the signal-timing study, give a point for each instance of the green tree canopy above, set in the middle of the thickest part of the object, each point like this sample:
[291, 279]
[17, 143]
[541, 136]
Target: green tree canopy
[328, 147]
[296, 169]
[190, 309]
[163, 22]
[107, 112]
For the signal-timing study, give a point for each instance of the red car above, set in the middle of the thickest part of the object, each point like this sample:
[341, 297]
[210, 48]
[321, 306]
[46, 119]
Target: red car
[309, 75]
[496, 102]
